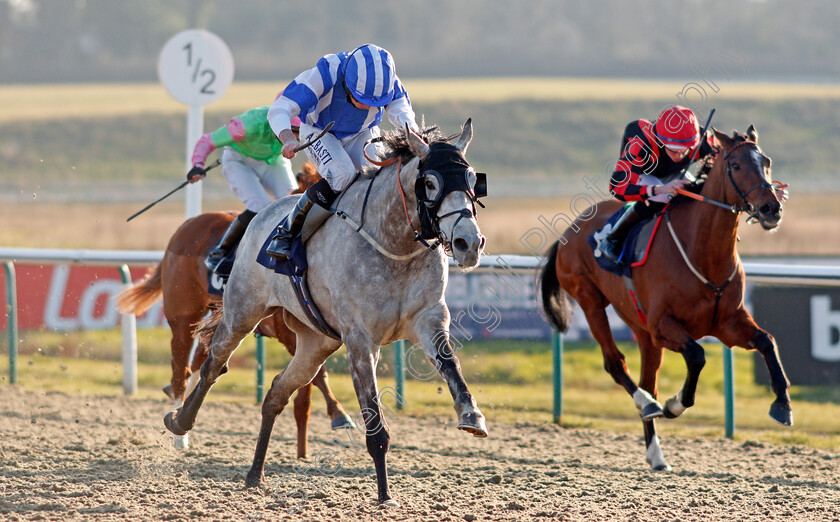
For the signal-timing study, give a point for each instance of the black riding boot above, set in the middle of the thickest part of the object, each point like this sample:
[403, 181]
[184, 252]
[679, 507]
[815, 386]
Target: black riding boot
[611, 245]
[280, 247]
[229, 240]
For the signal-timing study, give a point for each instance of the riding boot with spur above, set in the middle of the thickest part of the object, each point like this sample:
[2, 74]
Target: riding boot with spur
[229, 240]
[611, 245]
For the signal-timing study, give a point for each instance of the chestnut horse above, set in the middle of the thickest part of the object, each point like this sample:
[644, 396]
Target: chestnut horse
[691, 286]
[181, 279]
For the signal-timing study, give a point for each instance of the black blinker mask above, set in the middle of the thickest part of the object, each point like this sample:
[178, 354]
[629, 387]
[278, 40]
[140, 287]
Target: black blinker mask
[448, 165]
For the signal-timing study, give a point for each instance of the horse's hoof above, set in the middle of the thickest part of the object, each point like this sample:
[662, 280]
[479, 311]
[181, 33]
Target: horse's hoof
[171, 424]
[661, 467]
[389, 503]
[473, 422]
[343, 422]
[781, 413]
[651, 411]
[168, 391]
[254, 480]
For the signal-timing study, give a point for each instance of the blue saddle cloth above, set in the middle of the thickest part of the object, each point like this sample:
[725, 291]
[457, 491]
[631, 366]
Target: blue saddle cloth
[623, 267]
[294, 266]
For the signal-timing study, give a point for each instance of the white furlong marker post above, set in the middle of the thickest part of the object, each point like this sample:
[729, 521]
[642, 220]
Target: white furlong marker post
[196, 67]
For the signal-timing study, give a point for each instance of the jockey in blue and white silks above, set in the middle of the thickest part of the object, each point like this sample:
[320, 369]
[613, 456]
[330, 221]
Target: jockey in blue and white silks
[352, 89]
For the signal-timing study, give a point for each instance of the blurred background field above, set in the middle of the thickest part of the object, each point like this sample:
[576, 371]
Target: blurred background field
[88, 156]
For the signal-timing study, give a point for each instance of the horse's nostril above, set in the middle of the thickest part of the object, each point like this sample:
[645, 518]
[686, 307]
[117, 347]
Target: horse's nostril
[460, 244]
[481, 244]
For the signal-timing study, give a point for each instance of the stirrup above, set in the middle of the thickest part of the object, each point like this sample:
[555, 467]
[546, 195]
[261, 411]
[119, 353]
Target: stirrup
[280, 248]
[608, 248]
[213, 260]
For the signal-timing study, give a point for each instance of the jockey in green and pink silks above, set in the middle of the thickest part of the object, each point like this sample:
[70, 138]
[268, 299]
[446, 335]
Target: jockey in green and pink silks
[254, 167]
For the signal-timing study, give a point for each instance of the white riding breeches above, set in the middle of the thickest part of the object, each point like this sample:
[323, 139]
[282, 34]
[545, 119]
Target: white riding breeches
[253, 181]
[339, 160]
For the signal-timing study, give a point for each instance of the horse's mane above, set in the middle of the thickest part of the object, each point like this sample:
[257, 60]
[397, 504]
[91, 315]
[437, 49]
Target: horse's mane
[395, 143]
[706, 164]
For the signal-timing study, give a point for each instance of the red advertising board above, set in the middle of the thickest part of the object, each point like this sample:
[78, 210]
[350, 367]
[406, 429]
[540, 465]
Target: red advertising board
[67, 298]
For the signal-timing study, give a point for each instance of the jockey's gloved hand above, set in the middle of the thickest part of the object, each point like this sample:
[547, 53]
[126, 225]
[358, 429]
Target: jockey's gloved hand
[196, 173]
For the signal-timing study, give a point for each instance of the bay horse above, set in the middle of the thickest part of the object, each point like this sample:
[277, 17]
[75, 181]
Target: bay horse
[181, 280]
[374, 285]
[691, 286]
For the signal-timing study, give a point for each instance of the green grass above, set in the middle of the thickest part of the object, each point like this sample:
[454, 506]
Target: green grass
[511, 380]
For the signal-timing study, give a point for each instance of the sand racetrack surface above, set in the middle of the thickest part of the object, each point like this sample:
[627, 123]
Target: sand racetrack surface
[108, 458]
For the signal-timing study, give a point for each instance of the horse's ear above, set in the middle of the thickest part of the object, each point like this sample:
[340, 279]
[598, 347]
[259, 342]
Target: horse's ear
[723, 139]
[466, 136]
[752, 134]
[419, 147]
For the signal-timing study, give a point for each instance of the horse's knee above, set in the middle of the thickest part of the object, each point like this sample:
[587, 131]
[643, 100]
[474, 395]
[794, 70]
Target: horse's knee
[763, 342]
[694, 355]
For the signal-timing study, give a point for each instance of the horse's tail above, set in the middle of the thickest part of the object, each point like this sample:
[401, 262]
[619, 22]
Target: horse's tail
[205, 328]
[555, 300]
[143, 295]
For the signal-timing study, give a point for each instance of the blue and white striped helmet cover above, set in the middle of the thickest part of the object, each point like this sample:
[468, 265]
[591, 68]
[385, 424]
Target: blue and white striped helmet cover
[369, 75]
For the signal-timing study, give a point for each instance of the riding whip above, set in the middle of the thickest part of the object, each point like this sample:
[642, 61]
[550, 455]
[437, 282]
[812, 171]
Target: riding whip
[176, 189]
[316, 138]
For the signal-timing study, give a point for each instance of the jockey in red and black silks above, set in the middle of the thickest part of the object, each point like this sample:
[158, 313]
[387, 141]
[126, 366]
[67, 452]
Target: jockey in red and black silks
[654, 156]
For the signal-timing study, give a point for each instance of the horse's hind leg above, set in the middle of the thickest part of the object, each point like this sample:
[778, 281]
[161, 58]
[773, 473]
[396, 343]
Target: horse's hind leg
[651, 359]
[673, 335]
[614, 364]
[339, 418]
[310, 355]
[303, 405]
[233, 327]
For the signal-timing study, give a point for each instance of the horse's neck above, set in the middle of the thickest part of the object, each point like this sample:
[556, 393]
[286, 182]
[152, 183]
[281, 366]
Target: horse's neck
[384, 215]
[711, 232]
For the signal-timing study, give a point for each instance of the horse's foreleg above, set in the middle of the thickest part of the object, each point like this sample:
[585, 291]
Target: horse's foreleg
[436, 345]
[651, 358]
[363, 357]
[743, 331]
[653, 453]
[614, 363]
[339, 418]
[303, 406]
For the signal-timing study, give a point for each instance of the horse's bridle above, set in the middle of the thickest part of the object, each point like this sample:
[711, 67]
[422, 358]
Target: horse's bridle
[747, 207]
[447, 164]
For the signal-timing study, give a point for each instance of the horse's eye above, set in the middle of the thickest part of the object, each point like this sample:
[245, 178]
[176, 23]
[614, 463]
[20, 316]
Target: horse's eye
[430, 185]
[735, 166]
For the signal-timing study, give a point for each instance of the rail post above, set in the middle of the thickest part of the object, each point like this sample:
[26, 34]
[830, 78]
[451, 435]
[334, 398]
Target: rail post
[557, 360]
[260, 367]
[729, 391]
[128, 323]
[399, 372]
[12, 325]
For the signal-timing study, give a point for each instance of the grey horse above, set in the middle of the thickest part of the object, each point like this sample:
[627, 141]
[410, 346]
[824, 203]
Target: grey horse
[371, 290]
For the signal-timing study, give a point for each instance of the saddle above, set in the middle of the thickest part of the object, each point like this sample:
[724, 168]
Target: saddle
[636, 247]
[295, 268]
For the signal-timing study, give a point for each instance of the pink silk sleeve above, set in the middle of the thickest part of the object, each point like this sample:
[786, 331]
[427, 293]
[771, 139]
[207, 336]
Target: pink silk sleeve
[202, 149]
